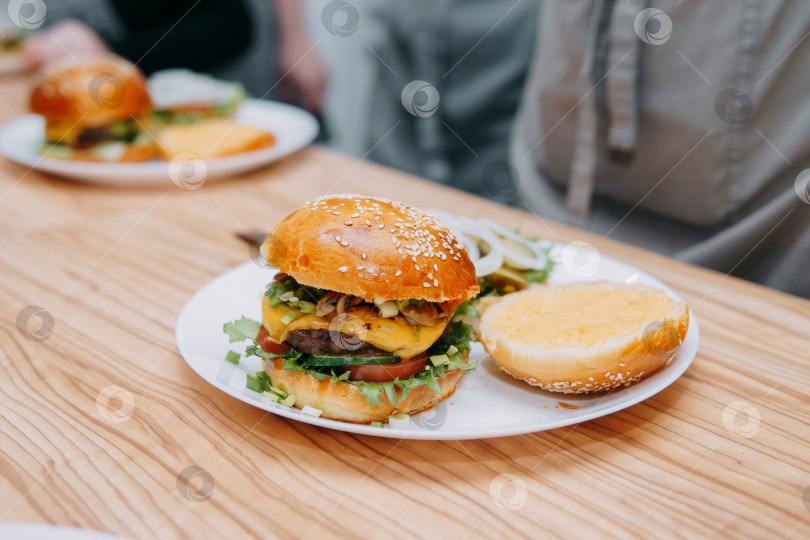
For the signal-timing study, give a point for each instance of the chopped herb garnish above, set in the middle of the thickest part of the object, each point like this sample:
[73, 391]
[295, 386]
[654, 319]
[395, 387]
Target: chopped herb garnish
[258, 383]
[242, 329]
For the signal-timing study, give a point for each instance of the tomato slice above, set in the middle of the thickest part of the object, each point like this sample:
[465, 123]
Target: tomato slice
[263, 339]
[387, 372]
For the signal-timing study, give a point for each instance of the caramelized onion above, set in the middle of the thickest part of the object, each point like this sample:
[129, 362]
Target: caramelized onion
[424, 315]
[326, 304]
[341, 304]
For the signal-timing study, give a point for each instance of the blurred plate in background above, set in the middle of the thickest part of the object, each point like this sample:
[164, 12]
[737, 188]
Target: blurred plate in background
[293, 128]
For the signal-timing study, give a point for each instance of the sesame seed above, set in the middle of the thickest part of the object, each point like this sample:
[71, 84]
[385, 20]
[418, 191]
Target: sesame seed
[336, 213]
[418, 267]
[435, 267]
[343, 268]
[399, 273]
[360, 267]
[363, 256]
[347, 222]
[356, 215]
[381, 225]
[344, 243]
[426, 284]
[435, 282]
[337, 238]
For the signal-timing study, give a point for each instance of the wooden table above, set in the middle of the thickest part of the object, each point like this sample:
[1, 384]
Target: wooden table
[723, 452]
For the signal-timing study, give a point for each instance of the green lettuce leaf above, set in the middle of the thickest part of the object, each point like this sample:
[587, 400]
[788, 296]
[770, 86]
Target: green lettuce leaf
[259, 382]
[457, 334]
[390, 393]
[372, 393]
[466, 309]
[242, 329]
[540, 276]
[342, 377]
[403, 388]
[255, 350]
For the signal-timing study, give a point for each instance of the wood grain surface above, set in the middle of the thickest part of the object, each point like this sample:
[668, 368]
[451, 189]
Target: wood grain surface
[104, 426]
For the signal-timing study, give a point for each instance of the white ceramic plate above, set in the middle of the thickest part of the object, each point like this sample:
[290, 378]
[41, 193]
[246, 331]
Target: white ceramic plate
[294, 128]
[486, 403]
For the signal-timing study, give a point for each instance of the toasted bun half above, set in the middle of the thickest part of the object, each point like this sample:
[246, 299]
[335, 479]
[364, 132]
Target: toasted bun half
[583, 337]
[95, 92]
[343, 401]
[371, 248]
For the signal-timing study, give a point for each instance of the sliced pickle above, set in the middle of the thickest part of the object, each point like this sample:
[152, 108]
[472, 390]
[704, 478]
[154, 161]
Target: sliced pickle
[505, 277]
[519, 248]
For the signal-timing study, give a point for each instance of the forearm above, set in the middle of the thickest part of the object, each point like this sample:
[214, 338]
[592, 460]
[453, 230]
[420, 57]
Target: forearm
[291, 24]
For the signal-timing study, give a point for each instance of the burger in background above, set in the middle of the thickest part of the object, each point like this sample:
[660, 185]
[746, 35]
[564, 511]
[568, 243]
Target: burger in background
[194, 114]
[96, 109]
[181, 96]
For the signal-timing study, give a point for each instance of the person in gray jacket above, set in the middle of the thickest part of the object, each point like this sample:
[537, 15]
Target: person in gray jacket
[449, 76]
[683, 127]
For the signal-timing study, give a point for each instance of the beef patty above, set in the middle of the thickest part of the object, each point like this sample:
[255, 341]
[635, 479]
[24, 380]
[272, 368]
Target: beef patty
[331, 343]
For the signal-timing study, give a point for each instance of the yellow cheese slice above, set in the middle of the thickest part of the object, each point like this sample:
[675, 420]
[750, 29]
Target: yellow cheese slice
[392, 334]
[64, 132]
[211, 138]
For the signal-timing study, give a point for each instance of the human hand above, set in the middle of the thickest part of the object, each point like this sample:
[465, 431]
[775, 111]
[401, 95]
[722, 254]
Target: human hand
[303, 73]
[67, 38]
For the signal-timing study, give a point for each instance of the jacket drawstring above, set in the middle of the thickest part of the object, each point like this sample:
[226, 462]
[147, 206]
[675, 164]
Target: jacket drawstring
[609, 80]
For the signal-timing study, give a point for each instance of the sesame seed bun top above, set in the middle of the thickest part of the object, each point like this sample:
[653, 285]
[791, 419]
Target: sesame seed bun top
[371, 248]
[90, 91]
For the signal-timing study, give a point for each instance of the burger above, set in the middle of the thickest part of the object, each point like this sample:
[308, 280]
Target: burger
[181, 96]
[358, 323]
[97, 109]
